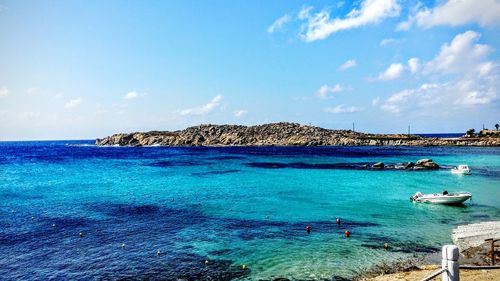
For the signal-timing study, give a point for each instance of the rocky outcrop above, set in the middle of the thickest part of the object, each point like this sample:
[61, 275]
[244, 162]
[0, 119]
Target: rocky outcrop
[426, 164]
[281, 134]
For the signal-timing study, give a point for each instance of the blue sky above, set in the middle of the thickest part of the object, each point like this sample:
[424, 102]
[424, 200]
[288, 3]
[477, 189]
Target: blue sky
[86, 69]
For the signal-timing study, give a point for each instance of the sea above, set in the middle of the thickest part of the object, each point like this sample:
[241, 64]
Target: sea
[70, 210]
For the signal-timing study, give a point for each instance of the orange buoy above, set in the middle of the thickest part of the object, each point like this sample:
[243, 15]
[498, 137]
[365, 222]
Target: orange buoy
[308, 229]
[347, 233]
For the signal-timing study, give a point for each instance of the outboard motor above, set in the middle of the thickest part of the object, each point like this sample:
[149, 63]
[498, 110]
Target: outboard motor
[414, 197]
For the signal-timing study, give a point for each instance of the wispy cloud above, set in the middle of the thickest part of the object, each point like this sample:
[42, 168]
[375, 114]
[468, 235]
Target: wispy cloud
[394, 71]
[319, 26]
[278, 24]
[4, 92]
[390, 42]
[343, 109]
[455, 13]
[348, 64]
[73, 103]
[325, 90]
[239, 113]
[204, 109]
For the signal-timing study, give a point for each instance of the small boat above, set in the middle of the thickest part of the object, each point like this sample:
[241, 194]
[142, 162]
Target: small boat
[446, 198]
[461, 170]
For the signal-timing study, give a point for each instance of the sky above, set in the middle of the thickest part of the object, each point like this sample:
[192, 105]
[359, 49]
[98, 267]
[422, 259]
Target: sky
[87, 69]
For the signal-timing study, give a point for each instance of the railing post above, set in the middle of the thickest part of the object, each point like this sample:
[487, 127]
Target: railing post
[450, 263]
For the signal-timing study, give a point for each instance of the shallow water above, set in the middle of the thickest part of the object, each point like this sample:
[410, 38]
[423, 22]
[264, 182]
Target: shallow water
[230, 206]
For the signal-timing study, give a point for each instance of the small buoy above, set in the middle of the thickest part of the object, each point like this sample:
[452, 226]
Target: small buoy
[347, 233]
[206, 262]
[244, 266]
[81, 233]
[338, 221]
[308, 229]
[386, 246]
[123, 245]
[158, 252]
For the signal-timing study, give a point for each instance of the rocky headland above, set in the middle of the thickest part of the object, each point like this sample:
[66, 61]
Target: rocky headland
[284, 134]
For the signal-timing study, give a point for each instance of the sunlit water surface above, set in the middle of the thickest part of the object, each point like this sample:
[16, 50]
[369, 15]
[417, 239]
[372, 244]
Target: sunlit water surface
[230, 206]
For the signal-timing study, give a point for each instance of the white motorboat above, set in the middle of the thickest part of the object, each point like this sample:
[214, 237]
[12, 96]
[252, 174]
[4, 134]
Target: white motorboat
[461, 170]
[446, 198]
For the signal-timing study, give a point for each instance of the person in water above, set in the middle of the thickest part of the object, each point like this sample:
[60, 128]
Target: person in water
[445, 192]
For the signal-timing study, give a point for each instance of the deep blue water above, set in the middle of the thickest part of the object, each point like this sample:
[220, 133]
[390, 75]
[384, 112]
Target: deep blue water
[230, 206]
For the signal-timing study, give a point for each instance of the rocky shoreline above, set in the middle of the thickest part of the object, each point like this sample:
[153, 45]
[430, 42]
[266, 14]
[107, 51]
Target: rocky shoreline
[282, 134]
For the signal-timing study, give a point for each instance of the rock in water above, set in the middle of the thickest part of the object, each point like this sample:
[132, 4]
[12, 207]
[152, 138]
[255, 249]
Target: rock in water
[427, 164]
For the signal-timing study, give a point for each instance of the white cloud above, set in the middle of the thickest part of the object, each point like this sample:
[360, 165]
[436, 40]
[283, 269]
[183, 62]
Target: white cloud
[414, 65]
[473, 98]
[485, 68]
[278, 24]
[319, 26]
[376, 101]
[343, 109]
[348, 64]
[393, 103]
[4, 92]
[461, 54]
[394, 71]
[325, 90]
[476, 83]
[131, 95]
[204, 109]
[456, 13]
[73, 103]
[434, 98]
[239, 113]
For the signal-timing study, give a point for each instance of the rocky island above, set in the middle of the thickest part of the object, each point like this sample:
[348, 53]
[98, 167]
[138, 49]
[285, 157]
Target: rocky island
[285, 134]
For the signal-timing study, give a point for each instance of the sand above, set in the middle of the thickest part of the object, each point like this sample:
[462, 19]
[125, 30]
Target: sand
[465, 274]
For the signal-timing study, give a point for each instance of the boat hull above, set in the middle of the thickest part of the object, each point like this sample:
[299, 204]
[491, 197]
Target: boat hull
[460, 172]
[451, 199]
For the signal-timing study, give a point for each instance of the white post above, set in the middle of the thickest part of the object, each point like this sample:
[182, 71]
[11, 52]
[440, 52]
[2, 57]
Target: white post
[450, 263]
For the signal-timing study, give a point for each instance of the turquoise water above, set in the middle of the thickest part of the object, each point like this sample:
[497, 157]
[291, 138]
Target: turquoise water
[230, 206]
